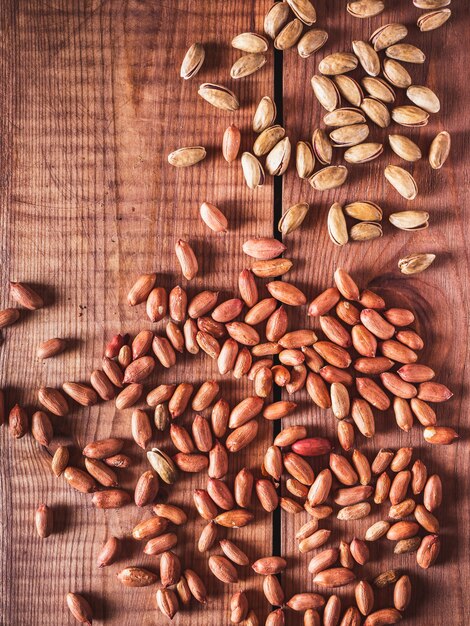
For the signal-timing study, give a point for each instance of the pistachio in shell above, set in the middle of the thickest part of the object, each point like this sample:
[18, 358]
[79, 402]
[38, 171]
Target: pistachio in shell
[293, 218]
[402, 181]
[410, 220]
[349, 88]
[337, 228]
[192, 62]
[415, 263]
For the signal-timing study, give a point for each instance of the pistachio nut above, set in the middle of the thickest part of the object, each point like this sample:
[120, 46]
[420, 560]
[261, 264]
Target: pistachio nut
[289, 35]
[322, 147]
[406, 53]
[265, 114]
[329, 177]
[337, 228]
[439, 150]
[365, 8]
[415, 263]
[388, 35]
[163, 465]
[219, 96]
[267, 139]
[368, 57]
[304, 10]
[402, 181]
[364, 211]
[247, 64]
[293, 218]
[433, 19]
[396, 74]
[250, 42]
[404, 148]
[252, 170]
[424, 97]
[304, 159]
[276, 18]
[192, 62]
[338, 63]
[363, 153]
[184, 157]
[278, 158]
[346, 136]
[344, 117]
[349, 88]
[311, 41]
[410, 220]
[376, 111]
[379, 89]
[431, 4]
[326, 92]
[409, 115]
[365, 231]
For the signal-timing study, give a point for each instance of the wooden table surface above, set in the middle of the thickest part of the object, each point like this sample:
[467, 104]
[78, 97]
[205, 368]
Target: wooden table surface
[91, 104]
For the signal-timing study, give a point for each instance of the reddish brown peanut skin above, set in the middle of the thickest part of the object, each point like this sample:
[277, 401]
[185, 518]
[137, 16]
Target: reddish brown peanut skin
[80, 608]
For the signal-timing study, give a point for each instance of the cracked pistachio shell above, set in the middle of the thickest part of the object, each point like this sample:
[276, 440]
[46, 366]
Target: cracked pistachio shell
[289, 35]
[365, 231]
[405, 148]
[388, 35]
[410, 220]
[424, 97]
[402, 181]
[337, 228]
[304, 159]
[439, 150]
[265, 114]
[184, 157]
[379, 89]
[368, 57]
[293, 218]
[344, 117]
[396, 74]
[364, 211]
[326, 92]
[252, 170]
[329, 177]
[346, 136]
[409, 115]
[304, 10]
[268, 139]
[192, 62]
[278, 158]
[276, 18]
[376, 111]
[406, 53]
[250, 42]
[247, 64]
[365, 8]
[415, 263]
[163, 465]
[349, 88]
[431, 4]
[338, 63]
[219, 96]
[311, 41]
[322, 147]
[363, 153]
[433, 19]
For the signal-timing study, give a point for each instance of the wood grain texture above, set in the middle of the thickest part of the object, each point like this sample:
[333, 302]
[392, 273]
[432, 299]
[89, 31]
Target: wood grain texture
[91, 105]
[438, 296]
